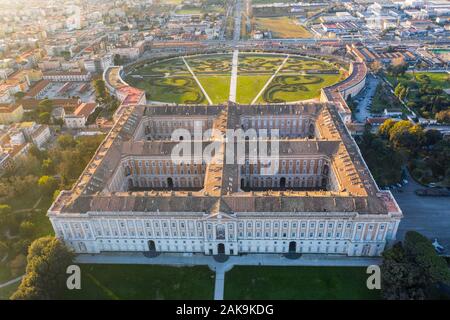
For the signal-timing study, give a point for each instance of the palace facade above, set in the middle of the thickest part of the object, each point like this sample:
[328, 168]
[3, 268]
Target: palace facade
[313, 193]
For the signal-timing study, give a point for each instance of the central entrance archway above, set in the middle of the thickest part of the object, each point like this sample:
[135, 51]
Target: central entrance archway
[292, 247]
[283, 182]
[220, 248]
[170, 183]
[151, 246]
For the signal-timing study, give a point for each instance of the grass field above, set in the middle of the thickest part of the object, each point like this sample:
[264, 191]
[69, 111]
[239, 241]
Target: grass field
[282, 27]
[211, 64]
[296, 65]
[259, 63]
[284, 88]
[139, 282]
[438, 79]
[164, 68]
[272, 1]
[274, 283]
[6, 292]
[249, 86]
[176, 89]
[195, 11]
[217, 87]
[301, 78]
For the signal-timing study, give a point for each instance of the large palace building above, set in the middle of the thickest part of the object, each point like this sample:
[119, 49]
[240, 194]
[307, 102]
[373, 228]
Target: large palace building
[316, 195]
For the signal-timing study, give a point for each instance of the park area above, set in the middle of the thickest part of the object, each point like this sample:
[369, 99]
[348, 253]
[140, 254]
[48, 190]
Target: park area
[261, 78]
[437, 79]
[150, 282]
[282, 27]
[297, 283]
[143, 282]
[427, 93]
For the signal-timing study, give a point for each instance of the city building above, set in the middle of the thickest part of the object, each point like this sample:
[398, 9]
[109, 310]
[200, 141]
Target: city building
[79, 117]
[10, 113]
[41, 135]
[67, 76]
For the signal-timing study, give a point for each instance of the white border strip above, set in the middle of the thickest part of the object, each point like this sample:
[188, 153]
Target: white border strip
[270, 80]
[198, 82]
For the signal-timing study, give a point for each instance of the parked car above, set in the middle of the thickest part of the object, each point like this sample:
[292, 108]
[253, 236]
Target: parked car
[437, 246]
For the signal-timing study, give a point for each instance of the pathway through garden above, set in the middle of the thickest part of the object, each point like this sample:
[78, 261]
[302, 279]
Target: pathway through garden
[233, 81]
[270, 79]
[7, 283]
[198, 82]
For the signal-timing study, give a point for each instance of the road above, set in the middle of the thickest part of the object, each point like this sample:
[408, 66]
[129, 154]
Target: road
[234, 72]
[428, 215]
[237, 21]
[224, 27]
[366, 97]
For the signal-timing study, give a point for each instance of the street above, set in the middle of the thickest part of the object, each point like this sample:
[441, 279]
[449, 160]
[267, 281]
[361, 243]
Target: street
[428, 215]
[365, 98]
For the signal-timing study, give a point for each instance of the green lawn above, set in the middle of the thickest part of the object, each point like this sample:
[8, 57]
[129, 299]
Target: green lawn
[299, 64]
[249, 86]
[144, 282]
[384, 99]
[216, 64]
[438, 79]
[282, 27]
[5, 273]
[175, 66]
[288, 88]
[37, 216]
[217, 87]
[169, 81]
[276, 283]
[190, 11]
[6, 292]
[259, 63]
[176, 89]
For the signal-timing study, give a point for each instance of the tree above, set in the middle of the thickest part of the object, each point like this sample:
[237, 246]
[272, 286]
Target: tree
[19, 95]
[412, 269]
[66, 141]
[45, 105]
[47, 184]
[384, 162]
[400, 91]
[398, 67]
[432, 137]
[27, 229]
[45, 278]
[404, 134]
[420, 250]
[386, 127]
[44, 117]
[443, 116]
[48, 166]
[376, 66]
[100, 90]
[59, 122]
